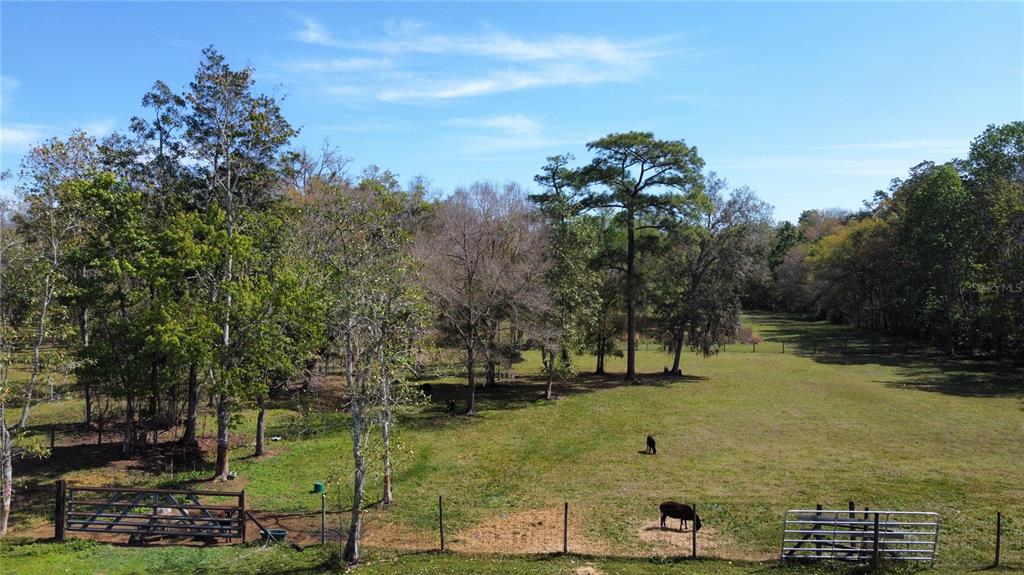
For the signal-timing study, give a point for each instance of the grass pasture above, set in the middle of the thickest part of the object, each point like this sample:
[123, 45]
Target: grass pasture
[743, 434]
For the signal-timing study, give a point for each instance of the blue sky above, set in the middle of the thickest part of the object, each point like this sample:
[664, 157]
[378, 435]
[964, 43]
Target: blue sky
[810, 104]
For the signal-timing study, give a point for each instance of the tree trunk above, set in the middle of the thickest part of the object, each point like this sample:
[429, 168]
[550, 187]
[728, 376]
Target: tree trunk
[491, 365]
[355, 531]
[129, 428]
[261, 427]
[88, 404]
[351, 553]
[83, 328]
[152, 412]
[678, 353]
[471, 379]
[631, 323]
[221, 471]
[188, 438]
[385, 431]
[599, 370]
[549, 364]
[6, 473]
[37, 363]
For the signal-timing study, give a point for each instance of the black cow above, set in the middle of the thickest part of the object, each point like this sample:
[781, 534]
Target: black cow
[680, 511]
[652, 448]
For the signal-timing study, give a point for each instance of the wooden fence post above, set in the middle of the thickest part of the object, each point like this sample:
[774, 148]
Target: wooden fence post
[440, 518]
[241, 514]
[783, 347]
[999, 536]
[693, 532]
[60, 490]
[565, 530]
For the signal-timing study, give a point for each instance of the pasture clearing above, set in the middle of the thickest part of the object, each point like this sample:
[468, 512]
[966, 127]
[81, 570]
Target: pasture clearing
[744, 435]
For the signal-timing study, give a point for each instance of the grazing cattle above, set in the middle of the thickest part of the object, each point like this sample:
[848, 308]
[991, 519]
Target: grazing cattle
[680, 511]
[652, 448]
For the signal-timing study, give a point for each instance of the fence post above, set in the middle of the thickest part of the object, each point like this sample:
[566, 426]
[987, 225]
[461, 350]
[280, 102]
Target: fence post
[241, 516]
[323, 518]
[783, 347]
[817, 526]
[440, 518]
[693, 532]
[60, 490]
[999, 535]
[565, 530]
[874, 549]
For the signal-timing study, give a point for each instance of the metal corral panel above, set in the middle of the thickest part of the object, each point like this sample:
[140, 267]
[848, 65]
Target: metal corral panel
[845, 535]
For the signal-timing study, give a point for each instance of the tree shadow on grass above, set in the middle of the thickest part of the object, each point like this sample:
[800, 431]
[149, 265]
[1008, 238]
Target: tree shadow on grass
[916, 366]
[524, 392]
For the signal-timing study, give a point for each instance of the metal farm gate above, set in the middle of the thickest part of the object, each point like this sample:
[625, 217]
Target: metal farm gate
[147, 513]
[847, 535]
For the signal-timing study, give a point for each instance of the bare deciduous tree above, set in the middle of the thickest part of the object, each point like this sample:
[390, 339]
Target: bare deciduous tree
[484, 262]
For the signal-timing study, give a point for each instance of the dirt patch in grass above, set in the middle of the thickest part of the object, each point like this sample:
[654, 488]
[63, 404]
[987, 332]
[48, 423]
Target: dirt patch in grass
[586, 570]
[526, 532]
[673, 541]
[379, 533]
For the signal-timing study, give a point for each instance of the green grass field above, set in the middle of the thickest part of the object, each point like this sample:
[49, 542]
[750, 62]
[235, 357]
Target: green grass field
[746, 435]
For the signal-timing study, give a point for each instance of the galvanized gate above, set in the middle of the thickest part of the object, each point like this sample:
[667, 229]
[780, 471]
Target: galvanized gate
[846, 535]
[148, 513]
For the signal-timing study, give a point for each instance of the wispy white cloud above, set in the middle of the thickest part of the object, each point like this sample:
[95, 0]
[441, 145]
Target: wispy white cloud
[314, 33]
[407, 36]
[502, 133]
[99, 128]
[8, 86]
[443, 88]
[354, 64]
[513, 124]
[408, 61]
[18, 137]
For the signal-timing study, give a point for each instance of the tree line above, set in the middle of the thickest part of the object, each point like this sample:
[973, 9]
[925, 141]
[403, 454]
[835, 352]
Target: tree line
[936, 258]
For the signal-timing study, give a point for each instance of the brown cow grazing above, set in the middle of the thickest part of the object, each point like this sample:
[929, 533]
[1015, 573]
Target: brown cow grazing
[680, 511]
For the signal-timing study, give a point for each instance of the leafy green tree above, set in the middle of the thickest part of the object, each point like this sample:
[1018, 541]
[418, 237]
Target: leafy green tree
[359, 241]
[942, 248]
[650, 182]
[573, 281]
[235, 139]
[995, 176]
[603, 336]
[705, 265]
